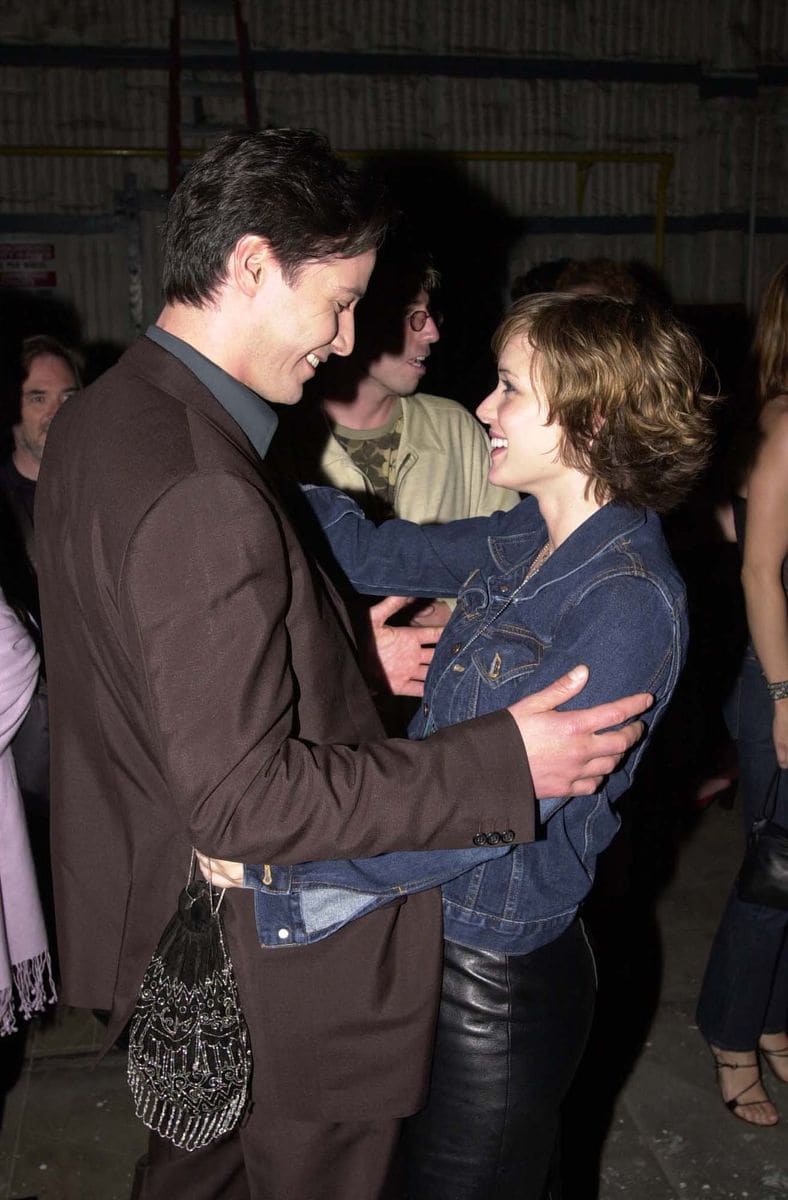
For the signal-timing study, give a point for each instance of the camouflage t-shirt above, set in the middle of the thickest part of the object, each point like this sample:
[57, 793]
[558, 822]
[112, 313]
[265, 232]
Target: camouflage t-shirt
[375, 452]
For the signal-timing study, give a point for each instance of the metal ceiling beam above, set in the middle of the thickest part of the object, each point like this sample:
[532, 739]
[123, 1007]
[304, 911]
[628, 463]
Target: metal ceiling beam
[467, 66]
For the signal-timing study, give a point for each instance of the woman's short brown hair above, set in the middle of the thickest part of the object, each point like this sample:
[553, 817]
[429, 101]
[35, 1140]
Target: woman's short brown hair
[622, 378]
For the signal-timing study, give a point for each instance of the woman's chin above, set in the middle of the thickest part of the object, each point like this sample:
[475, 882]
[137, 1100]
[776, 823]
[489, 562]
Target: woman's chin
[502, 480]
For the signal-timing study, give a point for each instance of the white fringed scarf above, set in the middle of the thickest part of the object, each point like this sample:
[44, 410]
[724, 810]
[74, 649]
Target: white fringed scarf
[26, 985]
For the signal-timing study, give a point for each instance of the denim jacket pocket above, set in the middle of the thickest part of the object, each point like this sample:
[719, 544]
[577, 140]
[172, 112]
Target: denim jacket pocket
[502, 663]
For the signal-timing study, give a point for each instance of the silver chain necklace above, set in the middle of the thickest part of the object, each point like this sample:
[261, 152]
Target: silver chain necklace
[540, 559]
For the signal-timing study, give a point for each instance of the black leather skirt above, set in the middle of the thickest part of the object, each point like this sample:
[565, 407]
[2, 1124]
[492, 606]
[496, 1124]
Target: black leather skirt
[511, 1032]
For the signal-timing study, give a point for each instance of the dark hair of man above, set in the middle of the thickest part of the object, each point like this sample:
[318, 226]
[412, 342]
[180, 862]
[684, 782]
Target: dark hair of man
[402, 271]
[622, 379]
[285, 185]
[40, 344]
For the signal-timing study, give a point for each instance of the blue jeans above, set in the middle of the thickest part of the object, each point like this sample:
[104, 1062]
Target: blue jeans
[745, 988]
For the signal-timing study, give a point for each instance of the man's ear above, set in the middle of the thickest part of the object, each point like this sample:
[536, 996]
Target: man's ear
[250, 261]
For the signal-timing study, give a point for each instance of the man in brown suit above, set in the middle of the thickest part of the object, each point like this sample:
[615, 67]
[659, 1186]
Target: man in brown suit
[205, 691]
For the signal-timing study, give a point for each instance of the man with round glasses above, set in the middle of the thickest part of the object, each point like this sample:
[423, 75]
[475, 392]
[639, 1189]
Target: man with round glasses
[396, 450]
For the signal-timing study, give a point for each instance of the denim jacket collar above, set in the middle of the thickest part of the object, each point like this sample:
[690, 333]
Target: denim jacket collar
[608, 524]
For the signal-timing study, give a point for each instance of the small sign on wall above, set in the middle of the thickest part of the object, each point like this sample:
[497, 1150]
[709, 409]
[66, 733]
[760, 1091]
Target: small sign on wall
[27, 264]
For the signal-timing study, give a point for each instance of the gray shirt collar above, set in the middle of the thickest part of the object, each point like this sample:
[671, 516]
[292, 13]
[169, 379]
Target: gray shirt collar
[250, 411]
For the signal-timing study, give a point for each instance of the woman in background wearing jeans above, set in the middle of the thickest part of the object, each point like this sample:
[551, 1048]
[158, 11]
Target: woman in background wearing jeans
[743, 1006]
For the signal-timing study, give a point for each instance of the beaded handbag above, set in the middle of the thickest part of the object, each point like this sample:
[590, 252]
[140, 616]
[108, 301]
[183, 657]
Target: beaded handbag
[190, 1062]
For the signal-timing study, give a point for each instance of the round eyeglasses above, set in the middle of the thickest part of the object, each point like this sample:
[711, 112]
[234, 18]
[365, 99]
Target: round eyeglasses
[419, 318]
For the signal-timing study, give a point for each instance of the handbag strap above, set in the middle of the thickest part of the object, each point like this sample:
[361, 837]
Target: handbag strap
[215, 905]
[770, 803]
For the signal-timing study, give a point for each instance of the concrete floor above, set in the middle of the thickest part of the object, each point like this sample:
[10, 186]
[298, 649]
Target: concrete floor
[645, 1121]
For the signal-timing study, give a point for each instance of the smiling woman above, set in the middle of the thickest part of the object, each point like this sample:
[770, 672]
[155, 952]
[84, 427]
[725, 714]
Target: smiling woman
[618, 383]
[524, 444]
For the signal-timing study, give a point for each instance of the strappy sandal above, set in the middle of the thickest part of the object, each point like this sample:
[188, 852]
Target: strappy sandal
[769, 1055]
[735, 1104]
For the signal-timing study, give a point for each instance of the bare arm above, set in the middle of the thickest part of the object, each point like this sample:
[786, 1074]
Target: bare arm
[765, 548]
[723, 515]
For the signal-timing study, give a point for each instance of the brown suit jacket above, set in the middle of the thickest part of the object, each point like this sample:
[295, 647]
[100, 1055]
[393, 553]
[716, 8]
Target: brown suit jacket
[204, 691]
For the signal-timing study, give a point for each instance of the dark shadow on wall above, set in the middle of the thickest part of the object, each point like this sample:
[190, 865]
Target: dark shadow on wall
[25, 312]
[470, 237]
[98, 358]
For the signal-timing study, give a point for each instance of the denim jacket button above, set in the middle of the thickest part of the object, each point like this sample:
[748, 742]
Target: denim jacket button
[480, 839]
[283, 934]
[456, 648]
[504, 588]
[425, 708]
[493, 838]
[507, 836]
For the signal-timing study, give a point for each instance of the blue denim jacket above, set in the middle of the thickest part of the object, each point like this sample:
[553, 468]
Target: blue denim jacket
[609, 597]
